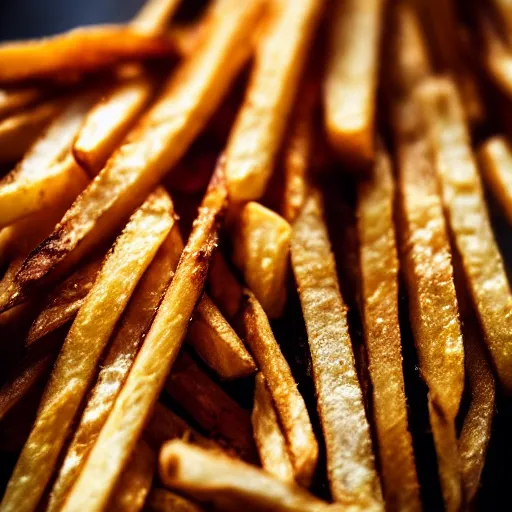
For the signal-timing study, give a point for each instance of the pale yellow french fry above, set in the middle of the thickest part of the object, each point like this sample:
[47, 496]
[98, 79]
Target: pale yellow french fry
[350, 460]
[468, 217]
[261, 246]
[77, 362]
[259, 128]
[47, 169]
[351, 78]
[495, 157]
[155, 144]
[12, 100]
[268, 436]
[161, 500]
[146, 379]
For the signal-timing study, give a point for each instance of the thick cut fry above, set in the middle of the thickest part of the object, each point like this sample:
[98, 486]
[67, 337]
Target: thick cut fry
[469, 220]
[47, 169]
[19, 131]
[161, 500]
[351, 78]
[154, 146]
[80, 50]
[154, 361]
[117, 363]
[77, 361]
[259, 128]
[210, 406]
[232, 485]
[379, 299]
[350, 462]
[269, 438]
[261, 245]
[289, 404]
[495, 157]
[12, 100]
[135, 482]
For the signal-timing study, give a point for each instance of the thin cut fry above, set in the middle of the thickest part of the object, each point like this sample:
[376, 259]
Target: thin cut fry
[269, 438]
[12, 100]
[79, 50]
[161, 500]
[47, 169]
[495, 157]
[351, 78]
[350, 462]
[259, 128]
[135, 482]
[289, 404]
[154, 361]
[156, 143]
[261, 245]
[469, 220]
[379, 299]
[210, 406]
[77, 361]
[234, 485]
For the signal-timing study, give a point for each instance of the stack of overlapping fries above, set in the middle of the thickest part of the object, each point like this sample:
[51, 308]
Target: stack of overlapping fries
[248, 261]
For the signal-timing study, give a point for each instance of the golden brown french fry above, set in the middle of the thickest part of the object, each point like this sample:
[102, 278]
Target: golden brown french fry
[469, 220]
[12, 100]
[48, 167]
[156, 143]
[161, 500]
[259, 128]
[19, 131]
[232, 485]
[351, 78]
[135, 482]
[146, 379]
[79, 50]
[495, 156]
[77, 361]
[350, 461]
[261, 245]
[154, 15]
[210, 406]
[268, 436]
[289, 404]
[379, 311]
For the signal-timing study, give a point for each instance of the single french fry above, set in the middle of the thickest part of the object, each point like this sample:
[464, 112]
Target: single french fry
[146, 379]
[495, 156]
[155, 144]
[351, 78]
[350, 461]
[210, 406]
[12, 100]
[79, 50]
[466, 210]
[289, 404]
[48, 167]
[19, 131]
[135, 482]
[261, 245]
[268, 436]
[161, 500]
[76, 365]
[261, 122]
[379, 311]
[232, 485]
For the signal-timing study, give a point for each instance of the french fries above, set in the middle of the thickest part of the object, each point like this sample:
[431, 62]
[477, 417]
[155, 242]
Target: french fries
[469, 221]
[261, 244]
[15, 99]
[289, 404]
[161, 500]
[350, 461]
[351, 78]
[76, 365]
[156, 143]
[495, 157]
[268, 436]
[133, 405]
[260, 125]
[379, 298]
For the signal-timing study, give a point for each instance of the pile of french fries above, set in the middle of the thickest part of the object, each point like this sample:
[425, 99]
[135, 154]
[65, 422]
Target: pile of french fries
[180, 198]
